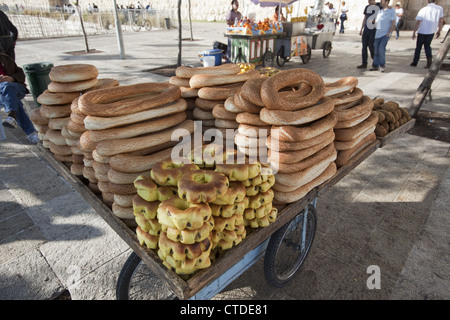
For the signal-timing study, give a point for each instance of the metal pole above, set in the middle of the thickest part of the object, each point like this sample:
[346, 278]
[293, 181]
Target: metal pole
[119, 32]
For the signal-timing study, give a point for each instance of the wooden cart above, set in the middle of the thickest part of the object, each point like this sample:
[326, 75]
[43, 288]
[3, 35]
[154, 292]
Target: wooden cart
[298, 218]
[257, 49]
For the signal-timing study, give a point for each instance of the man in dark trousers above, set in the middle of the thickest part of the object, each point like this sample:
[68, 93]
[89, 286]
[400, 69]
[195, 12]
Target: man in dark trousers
[12, 90]
[8, 36]
[368, 30]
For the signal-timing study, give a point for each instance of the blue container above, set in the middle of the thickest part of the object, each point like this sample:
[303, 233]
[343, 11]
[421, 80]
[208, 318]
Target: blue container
[217, 53]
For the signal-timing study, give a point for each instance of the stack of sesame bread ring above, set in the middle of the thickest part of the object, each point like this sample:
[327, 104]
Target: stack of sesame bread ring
[129, 129]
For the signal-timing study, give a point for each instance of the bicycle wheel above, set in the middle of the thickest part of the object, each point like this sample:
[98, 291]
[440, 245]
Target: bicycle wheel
[288, 248]
[147, 25]
[136, 25]
[137, 282]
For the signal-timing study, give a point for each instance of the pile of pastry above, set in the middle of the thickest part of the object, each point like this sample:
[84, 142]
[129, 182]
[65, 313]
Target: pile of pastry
[192, 210]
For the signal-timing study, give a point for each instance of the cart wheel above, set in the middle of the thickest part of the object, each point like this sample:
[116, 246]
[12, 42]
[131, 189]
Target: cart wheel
[137, 282]
[147, 25]
[327, 49]
[288, 248]
[306, 57]
[268, 59]
[280, 59]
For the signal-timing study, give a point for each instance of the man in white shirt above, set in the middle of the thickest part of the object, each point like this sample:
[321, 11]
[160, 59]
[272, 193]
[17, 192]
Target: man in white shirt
[429, 21]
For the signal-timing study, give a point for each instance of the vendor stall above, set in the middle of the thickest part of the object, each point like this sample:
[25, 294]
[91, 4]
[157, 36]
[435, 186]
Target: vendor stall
[198, 224]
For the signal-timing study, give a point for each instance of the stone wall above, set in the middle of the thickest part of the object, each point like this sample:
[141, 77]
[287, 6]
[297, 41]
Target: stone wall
[216, 10]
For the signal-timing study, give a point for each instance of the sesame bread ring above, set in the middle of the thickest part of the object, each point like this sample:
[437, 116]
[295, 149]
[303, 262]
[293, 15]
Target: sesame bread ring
[299, 193]
[200, 114]
[210, 80]
[345, 145]
[167, 172]
[58, 123]
[104, 83]
[235, 193]
[181, 214]
[65, 87]
[304, 132]
[124, 100]
[55, 98]
[102, 123]
[272, 99]
[254, 131]
[56, 137]
[250, 142]
[297, 179]
[349, 134]
[187, 236]
[224, 69]
[307, 162]
[244, 105]
[252, 119]
[117, 146]
[207, 105]
[251, 90]
[348, 123]
[344, 156]
[208, 156]
[219, 92]
[226, 124]
[349, 97]
[37, 118]
[230, 106]
[341, 86]
[202, 186]
[188, 92]
[137, 129]
[73, 72]
[296, 155]
[181, 82]
[290, 146]
[55, 111]
[219, 112]
[63, 150]
[122, 212]
[124, 200]
[364, 107]
[306, 115]
[143, 237]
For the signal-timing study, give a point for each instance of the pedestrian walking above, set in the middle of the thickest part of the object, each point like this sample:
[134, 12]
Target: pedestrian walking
[343, 17]
[385, 22]
[399, 20]
[429, 21]
[367, 32]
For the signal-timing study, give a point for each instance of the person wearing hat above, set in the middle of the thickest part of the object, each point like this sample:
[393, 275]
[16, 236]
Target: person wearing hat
[399, 19]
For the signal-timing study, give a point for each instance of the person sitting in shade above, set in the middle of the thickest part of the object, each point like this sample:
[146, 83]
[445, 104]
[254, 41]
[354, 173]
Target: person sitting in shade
[12, 90]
